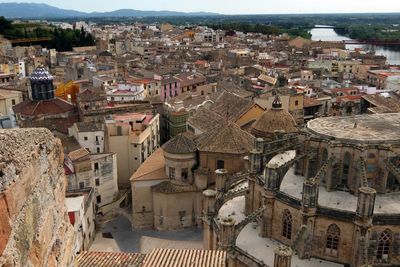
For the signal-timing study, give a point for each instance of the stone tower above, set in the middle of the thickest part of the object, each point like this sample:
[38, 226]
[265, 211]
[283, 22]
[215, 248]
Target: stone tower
[309, 205]
[283, 257]
[363, 224]
[208, 213]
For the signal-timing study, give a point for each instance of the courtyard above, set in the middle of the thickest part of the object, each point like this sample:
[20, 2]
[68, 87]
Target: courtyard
[116, 235]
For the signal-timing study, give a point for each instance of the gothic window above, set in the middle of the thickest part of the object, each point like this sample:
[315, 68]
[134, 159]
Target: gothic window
[346, 168]
[372, 167]
[371, 163]
[384, 241]
[287, 224]
[332, 240]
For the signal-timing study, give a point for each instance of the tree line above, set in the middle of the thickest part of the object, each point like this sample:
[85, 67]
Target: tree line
[60, 39]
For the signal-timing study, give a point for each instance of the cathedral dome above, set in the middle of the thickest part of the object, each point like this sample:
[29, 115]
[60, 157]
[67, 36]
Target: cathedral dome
[180, 144]
[275, 120]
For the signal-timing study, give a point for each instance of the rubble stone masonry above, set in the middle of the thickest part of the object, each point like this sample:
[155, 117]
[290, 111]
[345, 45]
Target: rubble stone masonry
[34, 226]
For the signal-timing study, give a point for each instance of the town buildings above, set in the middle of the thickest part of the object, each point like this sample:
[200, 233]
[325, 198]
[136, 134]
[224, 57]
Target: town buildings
[133, 137]
[81, 212]
[98, 171]
[262, 142]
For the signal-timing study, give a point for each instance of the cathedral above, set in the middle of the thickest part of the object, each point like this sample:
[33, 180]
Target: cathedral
[325, 195]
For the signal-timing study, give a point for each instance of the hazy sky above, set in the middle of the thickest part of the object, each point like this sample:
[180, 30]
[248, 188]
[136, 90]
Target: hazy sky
[231, 6]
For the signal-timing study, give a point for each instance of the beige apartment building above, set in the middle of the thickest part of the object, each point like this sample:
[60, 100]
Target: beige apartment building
[133, 137]
[8, 98]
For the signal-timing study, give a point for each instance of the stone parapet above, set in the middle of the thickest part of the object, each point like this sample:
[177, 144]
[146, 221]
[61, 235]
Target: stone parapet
[35, 229]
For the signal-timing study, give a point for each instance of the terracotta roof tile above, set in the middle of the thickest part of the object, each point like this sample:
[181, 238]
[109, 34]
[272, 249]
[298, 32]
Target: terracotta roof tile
[185, 258]
[230, 106]
[109, 259]
[152, 169]
[273, 121]
[205, 119]
[225, 138]
[180, 144]
[77, 154]
[48, 107]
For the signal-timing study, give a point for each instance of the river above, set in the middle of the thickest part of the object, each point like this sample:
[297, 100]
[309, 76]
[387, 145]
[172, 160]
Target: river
[328, 34]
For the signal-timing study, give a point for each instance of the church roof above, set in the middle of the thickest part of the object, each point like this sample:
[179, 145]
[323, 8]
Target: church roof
[231, 106]
[45, 107]
[225, 138]
[92, 94]
[180, 144]
[40, 74]
[205, 119]
[275, 120]
[153, 168]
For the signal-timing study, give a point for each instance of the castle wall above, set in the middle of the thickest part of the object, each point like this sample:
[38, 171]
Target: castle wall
[34, 226]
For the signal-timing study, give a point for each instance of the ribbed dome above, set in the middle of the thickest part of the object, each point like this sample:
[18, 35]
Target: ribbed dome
[40, 74]
[180, 144]
[275, 120]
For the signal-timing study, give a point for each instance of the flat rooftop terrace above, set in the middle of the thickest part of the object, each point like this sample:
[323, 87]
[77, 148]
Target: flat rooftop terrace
[373, 128]
[292, 185]
[263, 249]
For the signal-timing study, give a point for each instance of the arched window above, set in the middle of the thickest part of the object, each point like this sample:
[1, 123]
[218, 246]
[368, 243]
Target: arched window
[332, 240]
[384, 241]
[287, 224]
[346, 168]
[372, 166]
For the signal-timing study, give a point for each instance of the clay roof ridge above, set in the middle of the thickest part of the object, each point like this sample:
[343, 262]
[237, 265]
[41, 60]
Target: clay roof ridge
[36, 106]
[149, 172]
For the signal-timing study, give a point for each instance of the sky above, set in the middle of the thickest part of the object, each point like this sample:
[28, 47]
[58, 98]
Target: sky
[230, 6]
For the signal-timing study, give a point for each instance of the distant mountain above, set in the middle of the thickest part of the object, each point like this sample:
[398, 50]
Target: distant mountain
[32, 10]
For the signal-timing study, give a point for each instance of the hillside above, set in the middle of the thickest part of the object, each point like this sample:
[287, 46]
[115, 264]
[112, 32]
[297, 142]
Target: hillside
[32, 10]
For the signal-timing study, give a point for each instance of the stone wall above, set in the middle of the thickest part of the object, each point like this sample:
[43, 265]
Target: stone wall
[34, 226]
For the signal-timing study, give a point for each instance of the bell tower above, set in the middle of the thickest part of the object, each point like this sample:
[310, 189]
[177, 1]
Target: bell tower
[42, 87]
